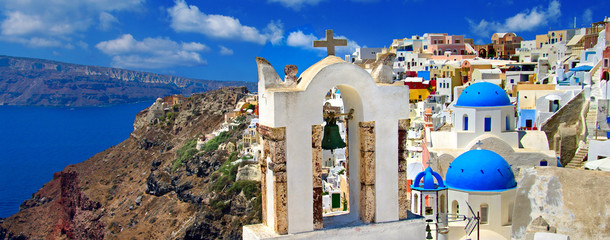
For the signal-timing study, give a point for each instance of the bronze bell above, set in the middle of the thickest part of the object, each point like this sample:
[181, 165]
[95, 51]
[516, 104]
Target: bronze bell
[332, 138]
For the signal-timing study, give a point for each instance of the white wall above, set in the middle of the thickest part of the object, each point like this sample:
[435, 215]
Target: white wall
[598, 149]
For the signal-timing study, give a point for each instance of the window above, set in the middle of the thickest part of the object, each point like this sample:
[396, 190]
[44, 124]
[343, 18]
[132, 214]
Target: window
[488, 124]
[553, 105]
[416, 204]
[429, 209]
[528, 123]
[457, 41]
[465, 122]
[606, 63]
[484, 211]
[507, 123]
[443, 208]
[510, 212]
[455, 207]
[544, 163]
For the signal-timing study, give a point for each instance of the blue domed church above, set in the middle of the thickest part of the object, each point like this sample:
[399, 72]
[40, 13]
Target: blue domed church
[480, 178]
[483, 108]
[483, 114]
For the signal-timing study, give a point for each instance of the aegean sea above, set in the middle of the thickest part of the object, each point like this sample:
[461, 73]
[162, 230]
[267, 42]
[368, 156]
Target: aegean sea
[36, 142]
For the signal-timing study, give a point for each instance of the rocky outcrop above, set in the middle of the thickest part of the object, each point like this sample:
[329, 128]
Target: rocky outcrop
[566, 128]
[566, 201]
[61, 210]
[29, 81]
[139, 190]
[249, 172]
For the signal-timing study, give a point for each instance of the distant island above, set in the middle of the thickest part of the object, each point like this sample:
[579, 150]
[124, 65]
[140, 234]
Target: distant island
[40, 82]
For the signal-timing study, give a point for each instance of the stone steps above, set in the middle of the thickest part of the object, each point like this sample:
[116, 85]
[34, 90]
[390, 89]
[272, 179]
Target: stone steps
[578, 161]
[591, 119]
[595, 79]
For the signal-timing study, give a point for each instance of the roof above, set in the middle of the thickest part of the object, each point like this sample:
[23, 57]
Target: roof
[480, 170]
[483, 94]
[574, 41]
[493, 70]
[428, 176]
[500, 35]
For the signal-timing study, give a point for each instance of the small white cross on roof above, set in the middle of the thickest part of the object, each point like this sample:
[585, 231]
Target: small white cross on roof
[479, 143]
[330, 43]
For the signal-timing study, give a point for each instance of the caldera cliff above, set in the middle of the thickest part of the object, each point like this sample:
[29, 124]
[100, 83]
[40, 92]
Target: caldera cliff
[153, 185]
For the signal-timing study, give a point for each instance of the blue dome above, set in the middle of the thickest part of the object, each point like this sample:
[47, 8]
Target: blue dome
[428, 176]
[480, 170]
[483, 94]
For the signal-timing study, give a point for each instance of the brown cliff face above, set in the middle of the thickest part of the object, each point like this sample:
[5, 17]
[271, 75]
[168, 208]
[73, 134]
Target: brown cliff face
[136, 189]
[28, 81]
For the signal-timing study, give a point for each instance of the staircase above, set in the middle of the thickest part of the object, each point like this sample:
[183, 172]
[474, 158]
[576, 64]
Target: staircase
[591, 120]
[596, 73]
[596, 93]
[579, 158]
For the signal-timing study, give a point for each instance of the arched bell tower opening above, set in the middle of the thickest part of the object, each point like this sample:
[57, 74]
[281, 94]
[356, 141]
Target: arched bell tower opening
[291, 124]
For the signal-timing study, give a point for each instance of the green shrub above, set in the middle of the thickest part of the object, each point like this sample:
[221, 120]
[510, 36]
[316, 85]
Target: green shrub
[250, 188]
[213, 143]
[185, 153]
[240, 119]
[171, 116]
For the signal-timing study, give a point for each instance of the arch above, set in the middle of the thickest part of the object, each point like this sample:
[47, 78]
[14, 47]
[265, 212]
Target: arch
[443, 204]
[605, 76]
[482, 53]
[484, 210]
[455, 207]
[286, 106]
[416, 204]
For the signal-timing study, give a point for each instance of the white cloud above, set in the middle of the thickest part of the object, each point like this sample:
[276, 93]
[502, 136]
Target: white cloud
[296, 4]
[225, 51]
[55, 21]
[528, 20]
[106, 21]
[188, 18]
[587, 17]
[152, 53]
[305, 41]
[299, 39]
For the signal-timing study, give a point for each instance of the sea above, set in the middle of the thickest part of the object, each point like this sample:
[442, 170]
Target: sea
[36, 142]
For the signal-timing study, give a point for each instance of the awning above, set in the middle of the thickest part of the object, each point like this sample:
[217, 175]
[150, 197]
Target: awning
[574, 41]
[581, 68]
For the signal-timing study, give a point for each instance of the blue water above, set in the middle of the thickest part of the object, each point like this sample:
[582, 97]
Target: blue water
[36, 142]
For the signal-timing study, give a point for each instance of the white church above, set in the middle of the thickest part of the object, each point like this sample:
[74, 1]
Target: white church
[478, 179]
[484, 114]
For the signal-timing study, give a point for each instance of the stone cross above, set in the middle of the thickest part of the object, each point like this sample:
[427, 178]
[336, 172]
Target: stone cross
[330, 43]
[479, 143]
[429, 162]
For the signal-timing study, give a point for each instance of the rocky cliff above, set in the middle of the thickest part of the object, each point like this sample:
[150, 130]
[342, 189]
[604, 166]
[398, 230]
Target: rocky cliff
[28, 81]
[153, 185]
[572, 202]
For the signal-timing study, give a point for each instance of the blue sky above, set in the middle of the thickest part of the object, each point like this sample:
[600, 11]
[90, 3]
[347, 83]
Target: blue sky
[218, 40]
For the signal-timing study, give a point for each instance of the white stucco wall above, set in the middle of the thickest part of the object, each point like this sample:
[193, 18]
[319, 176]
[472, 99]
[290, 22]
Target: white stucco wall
[598, 149]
